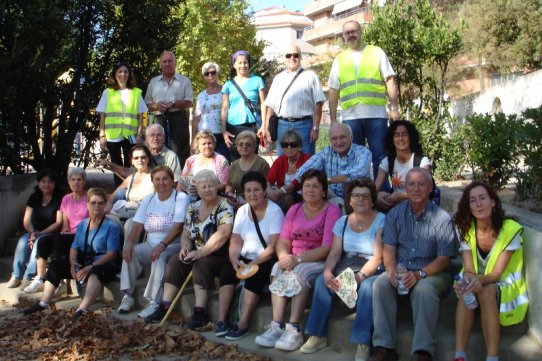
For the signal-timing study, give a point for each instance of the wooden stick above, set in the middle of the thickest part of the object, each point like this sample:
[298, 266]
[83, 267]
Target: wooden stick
[179, 294]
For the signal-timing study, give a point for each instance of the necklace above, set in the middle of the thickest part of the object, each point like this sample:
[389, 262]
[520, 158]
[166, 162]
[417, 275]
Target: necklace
[45, 202]
[362, 225]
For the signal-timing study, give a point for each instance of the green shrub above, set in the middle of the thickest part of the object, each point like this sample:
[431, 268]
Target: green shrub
[323, 138]
[529, 176]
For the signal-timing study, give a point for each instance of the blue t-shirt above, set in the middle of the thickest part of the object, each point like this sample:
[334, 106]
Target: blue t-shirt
[359, 242]
[107, 239]
[238, 112]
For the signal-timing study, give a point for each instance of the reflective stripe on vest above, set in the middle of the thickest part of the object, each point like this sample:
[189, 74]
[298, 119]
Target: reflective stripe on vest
[367, 86]
[514, 298]
[119, 124]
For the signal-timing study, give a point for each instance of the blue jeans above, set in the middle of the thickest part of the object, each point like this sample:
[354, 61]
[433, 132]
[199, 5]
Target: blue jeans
[24, 261]
[303, 128]
[372, 130]
[322, 300]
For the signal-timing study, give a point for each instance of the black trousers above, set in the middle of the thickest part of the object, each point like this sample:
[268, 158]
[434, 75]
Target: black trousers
[177, 132]
[115, 149]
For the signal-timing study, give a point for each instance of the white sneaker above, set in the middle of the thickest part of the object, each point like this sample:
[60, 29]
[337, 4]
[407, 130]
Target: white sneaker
[14, 282]
[270, 337]
[61, 290]
[313, 344]
[149, 310]
[35, 286]
[127, 304]
[291, 339]
[362, 353]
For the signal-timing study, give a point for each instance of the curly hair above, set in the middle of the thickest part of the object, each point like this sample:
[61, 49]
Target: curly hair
[463, 218]
[413, 136]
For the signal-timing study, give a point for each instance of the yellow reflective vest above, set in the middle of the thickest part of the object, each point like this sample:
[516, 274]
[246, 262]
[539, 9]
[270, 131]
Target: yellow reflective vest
[364, 87]
[514, 300]
[119, 122]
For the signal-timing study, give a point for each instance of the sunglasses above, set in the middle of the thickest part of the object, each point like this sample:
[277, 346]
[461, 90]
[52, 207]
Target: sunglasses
[211, 73]
[245, 145]
[289, 144]
[142, 157]
[295, 55]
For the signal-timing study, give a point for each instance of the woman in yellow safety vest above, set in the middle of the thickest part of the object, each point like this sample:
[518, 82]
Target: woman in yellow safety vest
[492, 249]
[121, 109]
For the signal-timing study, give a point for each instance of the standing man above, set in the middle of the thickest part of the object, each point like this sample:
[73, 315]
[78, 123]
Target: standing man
[360, 78]
[169, 96]
[419, 235]
[297, 103]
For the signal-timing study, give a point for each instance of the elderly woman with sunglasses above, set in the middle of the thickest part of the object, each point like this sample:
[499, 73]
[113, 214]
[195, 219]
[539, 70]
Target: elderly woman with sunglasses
[208, 108]
[283, 170]
[246, 142]
[238, 115]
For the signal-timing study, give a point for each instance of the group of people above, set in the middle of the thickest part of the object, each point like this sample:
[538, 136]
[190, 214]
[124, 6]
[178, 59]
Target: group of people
[297, 225]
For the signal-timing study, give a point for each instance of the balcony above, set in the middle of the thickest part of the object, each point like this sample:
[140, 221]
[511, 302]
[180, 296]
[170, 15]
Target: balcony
[334, 28]
[317, 6]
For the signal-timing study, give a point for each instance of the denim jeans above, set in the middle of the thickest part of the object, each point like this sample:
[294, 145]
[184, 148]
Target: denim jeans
[24, 261]
[322, 300]
[303, 128]
[372, 130]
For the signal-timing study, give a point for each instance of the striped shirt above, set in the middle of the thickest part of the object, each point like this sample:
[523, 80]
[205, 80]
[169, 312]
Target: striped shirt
[300, 99]
[419, 240]
[355, 164]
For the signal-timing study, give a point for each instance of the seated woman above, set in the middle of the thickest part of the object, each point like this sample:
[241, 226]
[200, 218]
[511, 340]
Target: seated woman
[92, 258]
[303, 245]
[357, 243]
[492, 249]
[246, 142]
[162, 215]
[41, 216]
[283, 170]
[73, 209]
[204, 249]
[246, 246]
[404, 150]
[205, 158]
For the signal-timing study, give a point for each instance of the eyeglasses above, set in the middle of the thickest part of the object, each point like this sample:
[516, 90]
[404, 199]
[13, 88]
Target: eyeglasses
[245, 145]
[362, 196]
[142, 157]
[211, 73]
[96, 203]
[289, 144]
[295, 55]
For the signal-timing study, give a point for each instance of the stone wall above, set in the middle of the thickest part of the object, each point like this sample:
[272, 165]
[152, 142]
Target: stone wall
[14, 192]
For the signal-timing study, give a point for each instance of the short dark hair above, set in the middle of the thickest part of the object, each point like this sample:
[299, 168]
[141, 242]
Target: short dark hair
[413, 137]
[97, 191]
[320, 176]
[254, 177]
[361, 183]
[143, 148]
[46, 173]
[112, 81]
[162, 168]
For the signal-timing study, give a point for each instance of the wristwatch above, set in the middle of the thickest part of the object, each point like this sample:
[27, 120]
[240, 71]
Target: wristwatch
[298, 259]
[316, 128]
[422, 274]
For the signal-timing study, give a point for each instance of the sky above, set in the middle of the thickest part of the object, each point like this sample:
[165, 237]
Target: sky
[288, 4]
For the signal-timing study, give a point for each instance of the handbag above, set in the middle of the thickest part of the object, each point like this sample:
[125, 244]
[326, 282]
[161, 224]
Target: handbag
[355, 263]
[249, 105]
[273, 125]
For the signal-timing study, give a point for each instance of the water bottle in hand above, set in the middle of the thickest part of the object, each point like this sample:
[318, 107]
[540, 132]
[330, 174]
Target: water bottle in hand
[77, 269]
[400, 272]
[468, 297]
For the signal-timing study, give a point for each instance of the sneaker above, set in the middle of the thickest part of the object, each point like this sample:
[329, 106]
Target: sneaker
[61, 290]
[79, 313]
[363, 352]
[199, 319]
[313, 344]
[236, 333]
[156, 316]
[383, 354]
[270, 337]
[24, 283]
[127, 304]
[221, 329]
[149, 310]
[14, 282]
[35, 286]
[33, 309]
[291, 339]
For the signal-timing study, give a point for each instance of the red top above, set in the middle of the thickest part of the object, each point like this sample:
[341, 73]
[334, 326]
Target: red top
[278, 170]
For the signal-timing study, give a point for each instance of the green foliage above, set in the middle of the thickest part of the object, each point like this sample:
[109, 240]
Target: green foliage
[493, 147]
[529, 175]
[323, 138]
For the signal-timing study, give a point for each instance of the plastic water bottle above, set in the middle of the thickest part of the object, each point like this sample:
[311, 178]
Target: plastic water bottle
[436, 196]
[468, 297]
[77, 269]
[400, 272]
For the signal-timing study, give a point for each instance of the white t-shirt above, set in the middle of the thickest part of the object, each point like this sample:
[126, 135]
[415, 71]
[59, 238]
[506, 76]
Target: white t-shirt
[361, 110]
[269, 225]
[158, 216]
[124, 94]
[400, 171]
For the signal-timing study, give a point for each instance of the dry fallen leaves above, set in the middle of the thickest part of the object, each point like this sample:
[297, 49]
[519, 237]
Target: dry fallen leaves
[54, 335]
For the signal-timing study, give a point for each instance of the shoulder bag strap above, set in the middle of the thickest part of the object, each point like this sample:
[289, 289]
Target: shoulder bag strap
[130, 187]
[287, 88]
[255, 220]
[247, 102]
